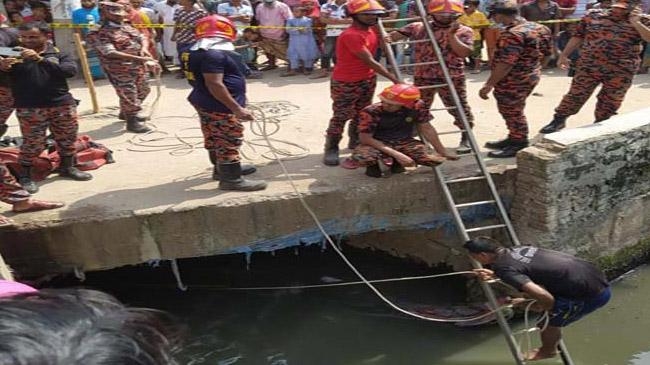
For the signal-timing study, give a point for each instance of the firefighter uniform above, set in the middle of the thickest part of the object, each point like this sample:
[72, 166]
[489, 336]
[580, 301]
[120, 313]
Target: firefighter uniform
[127, 75]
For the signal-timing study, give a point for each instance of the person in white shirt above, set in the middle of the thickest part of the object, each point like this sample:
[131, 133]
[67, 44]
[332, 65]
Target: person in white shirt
[240, 13]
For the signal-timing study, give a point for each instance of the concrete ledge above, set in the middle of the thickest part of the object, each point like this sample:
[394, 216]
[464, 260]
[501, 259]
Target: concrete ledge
[587, 190]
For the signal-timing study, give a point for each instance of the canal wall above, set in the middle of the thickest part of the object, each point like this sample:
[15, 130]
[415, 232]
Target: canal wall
[586, 190]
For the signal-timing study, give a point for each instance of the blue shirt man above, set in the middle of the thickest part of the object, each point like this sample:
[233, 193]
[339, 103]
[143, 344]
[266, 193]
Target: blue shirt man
[87, 13]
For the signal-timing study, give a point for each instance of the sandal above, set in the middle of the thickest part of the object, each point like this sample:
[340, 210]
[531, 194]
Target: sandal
[288, 73]
[319, 75]
[37, 205]
[6, 222]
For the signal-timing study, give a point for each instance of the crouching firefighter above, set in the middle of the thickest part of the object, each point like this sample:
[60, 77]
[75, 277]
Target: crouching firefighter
[386, 133]
[219, 97]
[43, 101]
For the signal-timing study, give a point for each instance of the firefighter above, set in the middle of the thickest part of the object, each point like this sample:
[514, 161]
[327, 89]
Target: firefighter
[123, 53]
[610, 44]
[516, 69]
[44, 68]
[355, 74]
[386, 133]
[456, 42]
[213, 68]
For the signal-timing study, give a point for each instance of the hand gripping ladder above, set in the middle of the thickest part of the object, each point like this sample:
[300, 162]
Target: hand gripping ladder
[464, 231]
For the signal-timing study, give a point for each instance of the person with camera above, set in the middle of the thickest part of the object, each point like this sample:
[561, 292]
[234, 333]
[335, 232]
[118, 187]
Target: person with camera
[44, 68]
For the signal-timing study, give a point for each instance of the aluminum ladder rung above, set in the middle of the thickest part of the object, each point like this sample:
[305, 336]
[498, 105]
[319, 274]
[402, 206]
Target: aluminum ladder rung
[485, 228]
[465, 179]
[401, 20]
[412, 42]
[445, 108]
[435, 86]
[473, 204]
[450, 132]
[404, 65]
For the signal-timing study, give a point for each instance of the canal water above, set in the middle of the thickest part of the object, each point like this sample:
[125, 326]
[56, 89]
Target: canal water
[349, 325]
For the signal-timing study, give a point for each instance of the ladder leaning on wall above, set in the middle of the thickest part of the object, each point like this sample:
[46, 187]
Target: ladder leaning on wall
[463, 230]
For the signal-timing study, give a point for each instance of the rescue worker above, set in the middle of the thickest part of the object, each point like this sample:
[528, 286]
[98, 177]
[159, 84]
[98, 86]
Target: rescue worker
[567, 287]
[43, 101]
[12, 193]
[355, 74]
[123, 53]
[212, 67]
[456, 42]
[610, 45]
[516, 70]
[8, 38]
[386, 133]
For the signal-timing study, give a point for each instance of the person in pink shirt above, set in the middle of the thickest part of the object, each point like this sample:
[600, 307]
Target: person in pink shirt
[272, 16]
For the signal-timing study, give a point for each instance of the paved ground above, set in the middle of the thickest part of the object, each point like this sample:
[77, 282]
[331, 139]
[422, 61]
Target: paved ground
[152, 179]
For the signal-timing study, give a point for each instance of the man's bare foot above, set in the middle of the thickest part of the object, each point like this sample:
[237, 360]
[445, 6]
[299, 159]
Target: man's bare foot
[33, 205]
[437, 159]
[538, 354]
[6, 222]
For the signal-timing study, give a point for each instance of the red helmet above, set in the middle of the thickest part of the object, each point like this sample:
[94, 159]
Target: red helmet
[365, 7]
[215, 26]
[401, 94]
[445, 6]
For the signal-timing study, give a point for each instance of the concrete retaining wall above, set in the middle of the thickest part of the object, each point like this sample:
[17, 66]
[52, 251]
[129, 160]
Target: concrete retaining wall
[587, 190]
[402, 202]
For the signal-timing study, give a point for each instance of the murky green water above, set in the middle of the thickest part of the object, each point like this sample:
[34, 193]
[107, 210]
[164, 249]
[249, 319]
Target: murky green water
[348, 326]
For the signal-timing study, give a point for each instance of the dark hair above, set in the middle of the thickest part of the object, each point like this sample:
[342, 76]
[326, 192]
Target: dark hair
[482, 244]
[37, 5]
[505, 11]
[472, 2]
[42, 27]
[78, 326]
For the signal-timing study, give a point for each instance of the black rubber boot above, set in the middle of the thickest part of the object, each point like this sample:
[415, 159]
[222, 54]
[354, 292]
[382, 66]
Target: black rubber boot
[67, 169]
[509, 151]
[353, 135]
[558, 123]
[230, 179]
[25, 180]
[3, 129]
[245, 169]
[397, 168]
[501, 144]
[136, 126]
[463, 146]
[331, 157]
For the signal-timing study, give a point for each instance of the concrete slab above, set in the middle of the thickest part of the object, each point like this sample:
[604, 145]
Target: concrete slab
[158, 200]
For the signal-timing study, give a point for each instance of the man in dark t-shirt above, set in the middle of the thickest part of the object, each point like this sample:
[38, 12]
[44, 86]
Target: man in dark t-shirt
[567, 287]
[219, 97]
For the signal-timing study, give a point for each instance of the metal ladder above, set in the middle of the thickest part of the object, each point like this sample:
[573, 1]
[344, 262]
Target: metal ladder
[463, 231]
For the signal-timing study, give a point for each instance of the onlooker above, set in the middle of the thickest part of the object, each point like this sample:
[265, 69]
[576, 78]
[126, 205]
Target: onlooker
[44, 68]
[185, 19]
[12, 193]
[476, 20]
[238, 12]
[566, 286]
[81, 327]
[334, 16]
[165, 11]
[272, 15]
[543, 10]
[88, 13]
[386, 132]
[141, 21]
[610, 42]
[302, 51]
